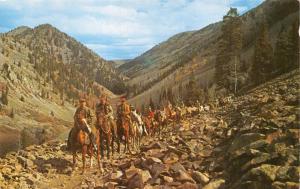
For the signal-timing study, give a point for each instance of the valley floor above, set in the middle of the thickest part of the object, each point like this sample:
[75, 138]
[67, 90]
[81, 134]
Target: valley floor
[252, 142]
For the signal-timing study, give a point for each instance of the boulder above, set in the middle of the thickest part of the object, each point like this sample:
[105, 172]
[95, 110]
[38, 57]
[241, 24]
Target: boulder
[292, 185]
[177, 167]
[168, 179]
[25, 162]
[278, 185]
[265, 173]
[188, 185]
[200, 177]
[157, 169]
[170, 158]
[215, 184]
[184, 177]
[244, 140]
[116, 175]
[152, 160]
[136, 181]
[110, 185]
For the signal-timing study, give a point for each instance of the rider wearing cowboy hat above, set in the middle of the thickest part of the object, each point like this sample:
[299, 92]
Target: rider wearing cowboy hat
[78, 124]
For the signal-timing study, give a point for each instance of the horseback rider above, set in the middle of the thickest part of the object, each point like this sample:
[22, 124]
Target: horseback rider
[124, 122]
[84, 111]
[151, 114]
[103, 108]
[123, 110]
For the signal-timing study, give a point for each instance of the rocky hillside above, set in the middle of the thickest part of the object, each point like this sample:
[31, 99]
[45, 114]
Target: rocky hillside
[65, 61]
[43, 73]
[193, 54]
[251, 142]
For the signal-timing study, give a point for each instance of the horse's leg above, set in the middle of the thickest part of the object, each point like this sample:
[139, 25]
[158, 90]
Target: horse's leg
[84, 151]
[107, 145]
[74, 159]
[91, 155]
[139, 140]
[128, 142]
[159, 130]
[101, 143]
[119, 142]
[112, 142]
[125, 142]
[98, 151]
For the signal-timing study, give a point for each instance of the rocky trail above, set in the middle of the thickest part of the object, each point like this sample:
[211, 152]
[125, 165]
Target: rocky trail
[251, 142]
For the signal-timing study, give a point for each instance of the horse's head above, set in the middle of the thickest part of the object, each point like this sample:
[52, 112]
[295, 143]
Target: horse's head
[100, 118]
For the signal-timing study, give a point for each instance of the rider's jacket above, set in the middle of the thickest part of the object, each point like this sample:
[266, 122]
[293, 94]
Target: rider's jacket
[151, 114]
[123, 110]
[85, 111]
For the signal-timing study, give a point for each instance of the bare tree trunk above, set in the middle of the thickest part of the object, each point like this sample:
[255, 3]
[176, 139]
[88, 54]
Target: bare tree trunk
[235, 75]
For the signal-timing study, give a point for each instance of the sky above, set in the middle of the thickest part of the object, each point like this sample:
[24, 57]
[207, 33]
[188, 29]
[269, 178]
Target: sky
[118, 29]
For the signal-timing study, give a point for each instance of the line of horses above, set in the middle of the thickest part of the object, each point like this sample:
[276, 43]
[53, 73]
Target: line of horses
[129, 131]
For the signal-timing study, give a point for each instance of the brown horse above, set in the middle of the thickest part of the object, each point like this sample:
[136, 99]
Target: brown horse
[104, 129]
[161, 121]
[170, 114]
[115, 137]
[125, 123]
[82, 141]
[148, 124]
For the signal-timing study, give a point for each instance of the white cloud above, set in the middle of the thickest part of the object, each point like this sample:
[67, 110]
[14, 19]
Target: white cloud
[137, 24]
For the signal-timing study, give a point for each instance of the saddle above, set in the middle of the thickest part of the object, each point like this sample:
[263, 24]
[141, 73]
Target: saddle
[72, 138]
[125, 120]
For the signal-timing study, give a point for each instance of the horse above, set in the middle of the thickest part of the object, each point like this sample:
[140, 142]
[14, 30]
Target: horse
[170, 114]
[148, 124]
[104, 129]
[178, 115]
[161, 120]
[124, 123]
[82, 141]
[136, 129]
[115, 135]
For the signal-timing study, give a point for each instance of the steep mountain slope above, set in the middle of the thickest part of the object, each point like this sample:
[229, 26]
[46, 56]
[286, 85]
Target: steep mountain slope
[118, 63]
[67, 58]
[43, 73]
[173, 62]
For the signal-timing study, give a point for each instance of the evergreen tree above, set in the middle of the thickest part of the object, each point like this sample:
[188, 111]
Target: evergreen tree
[4, 96]
[170, 95]
[151, 104]
[263, 53]
[293, 38]
[286, 54]
[227, 64]
[193, 92]
[281, 54]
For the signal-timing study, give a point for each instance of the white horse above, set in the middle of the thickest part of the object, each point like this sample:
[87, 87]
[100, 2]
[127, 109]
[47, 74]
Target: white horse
[137, 128]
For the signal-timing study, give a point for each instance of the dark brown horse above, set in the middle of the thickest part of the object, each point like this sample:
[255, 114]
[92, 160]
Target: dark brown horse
[104, 129]
[82, 141]
[115, 137]
[161, 121]
[125, 125]
[148, 123]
